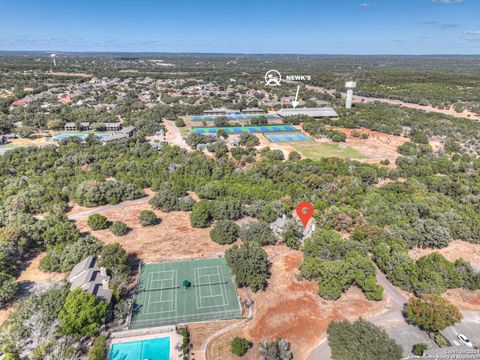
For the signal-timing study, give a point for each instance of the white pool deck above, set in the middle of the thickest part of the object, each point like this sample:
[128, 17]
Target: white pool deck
[148, 334]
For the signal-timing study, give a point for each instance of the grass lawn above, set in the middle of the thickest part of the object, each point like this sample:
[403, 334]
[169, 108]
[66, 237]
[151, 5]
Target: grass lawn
[185, 131]
[318, 151]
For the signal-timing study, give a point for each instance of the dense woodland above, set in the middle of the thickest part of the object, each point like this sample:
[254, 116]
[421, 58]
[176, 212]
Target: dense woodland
[428, 200]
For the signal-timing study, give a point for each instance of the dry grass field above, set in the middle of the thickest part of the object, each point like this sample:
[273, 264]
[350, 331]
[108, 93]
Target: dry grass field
[292, 310]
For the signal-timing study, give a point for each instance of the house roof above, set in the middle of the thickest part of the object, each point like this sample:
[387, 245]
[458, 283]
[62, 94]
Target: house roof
[114, 137]
[91, 278]
[128, 129]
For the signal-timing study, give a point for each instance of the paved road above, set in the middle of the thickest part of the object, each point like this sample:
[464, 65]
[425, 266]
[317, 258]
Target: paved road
[87, 213]
[392, 321]
[365, 99]
[470, 327]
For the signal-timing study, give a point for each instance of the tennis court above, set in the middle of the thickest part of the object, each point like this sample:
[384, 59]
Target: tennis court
[184, 292]
[234, 117]
[248, 129]
[289, 137]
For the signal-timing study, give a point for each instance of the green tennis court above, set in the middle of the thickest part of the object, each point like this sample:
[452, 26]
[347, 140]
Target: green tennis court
[184, 292]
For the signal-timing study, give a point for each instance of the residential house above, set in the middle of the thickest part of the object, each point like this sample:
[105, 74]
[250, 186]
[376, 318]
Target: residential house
[113, 126]
[88, 276]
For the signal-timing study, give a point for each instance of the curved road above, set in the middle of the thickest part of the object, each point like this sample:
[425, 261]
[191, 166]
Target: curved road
[392, 321]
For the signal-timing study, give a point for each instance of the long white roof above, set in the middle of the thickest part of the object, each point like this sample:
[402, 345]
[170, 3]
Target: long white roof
[313, 112]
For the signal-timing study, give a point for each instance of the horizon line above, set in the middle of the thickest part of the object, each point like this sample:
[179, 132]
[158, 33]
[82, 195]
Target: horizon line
[228, 53]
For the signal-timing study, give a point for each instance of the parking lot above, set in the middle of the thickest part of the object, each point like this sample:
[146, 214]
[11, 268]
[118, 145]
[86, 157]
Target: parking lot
[470, 327]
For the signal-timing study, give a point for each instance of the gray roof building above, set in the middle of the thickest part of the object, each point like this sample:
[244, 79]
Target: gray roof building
[91, 278]
[106, 139]
[129, 130]
[313, 112]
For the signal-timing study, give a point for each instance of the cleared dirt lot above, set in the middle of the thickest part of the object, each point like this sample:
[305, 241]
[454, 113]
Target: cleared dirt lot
[376, 148]
[173, 238]
[292, 310]
[455, 250]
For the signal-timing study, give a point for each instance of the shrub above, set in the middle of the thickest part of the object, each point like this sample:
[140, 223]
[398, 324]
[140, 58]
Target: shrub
[98, 349]
[82, 314]
[148, 218]
[97, 222]
[431, 313]
[165, 200]
[239, 346]
[258, 232]
[361, 340]
[294, 156]
[418, 349]
[8, 288]
[179, 122]
[119, 228]
[200, 216]
[249, 264]
[224, 232]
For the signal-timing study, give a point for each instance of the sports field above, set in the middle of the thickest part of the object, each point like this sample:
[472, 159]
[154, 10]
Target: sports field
[241, 129]
[318, 151]
[162, 299]
[289, 137]
[234, 117]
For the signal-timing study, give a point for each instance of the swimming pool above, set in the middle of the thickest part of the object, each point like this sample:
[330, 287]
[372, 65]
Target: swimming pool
[153, 349]
[81, 136]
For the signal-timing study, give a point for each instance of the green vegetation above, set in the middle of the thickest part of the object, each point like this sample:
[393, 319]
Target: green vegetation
[148, 218]
[119, 228]
[239, 346]
[432, 313]
[8, 288]
[249, 264]
[224, 232]
[201, 216]
[361, 340]
[275, 350]
[319, 151]
[97, 222]
[98, 349]
[419, 349]
[337, 264]
[82, 314]
[258, 232]
[427, 200]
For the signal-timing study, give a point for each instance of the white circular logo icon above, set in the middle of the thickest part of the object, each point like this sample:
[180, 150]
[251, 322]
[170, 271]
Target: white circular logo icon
[273, 78]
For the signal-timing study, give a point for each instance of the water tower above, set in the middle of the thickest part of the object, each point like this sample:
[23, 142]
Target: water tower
[350, 85]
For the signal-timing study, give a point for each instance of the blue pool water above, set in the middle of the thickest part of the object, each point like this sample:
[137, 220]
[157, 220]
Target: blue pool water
[154, 349]
[81, 136]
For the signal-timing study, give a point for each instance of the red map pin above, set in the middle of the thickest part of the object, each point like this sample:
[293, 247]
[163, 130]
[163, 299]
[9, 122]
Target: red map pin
[305, 212]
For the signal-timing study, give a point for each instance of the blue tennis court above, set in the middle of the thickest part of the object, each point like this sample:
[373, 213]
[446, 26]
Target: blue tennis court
[290, 137]
[253, 129]
[234, 117]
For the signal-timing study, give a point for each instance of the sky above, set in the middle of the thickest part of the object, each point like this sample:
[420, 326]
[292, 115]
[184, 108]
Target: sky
[243, 26]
